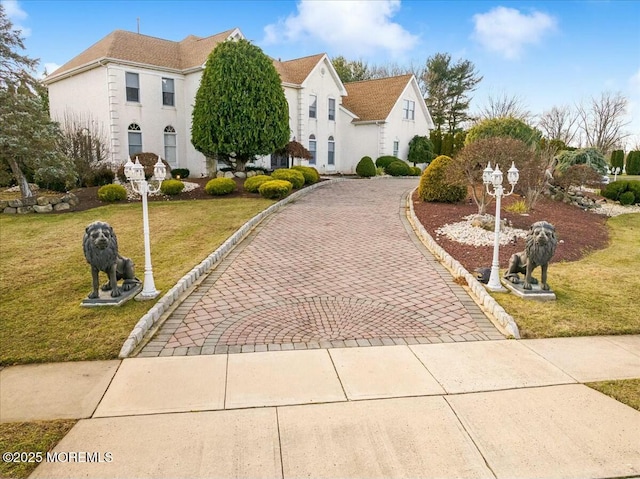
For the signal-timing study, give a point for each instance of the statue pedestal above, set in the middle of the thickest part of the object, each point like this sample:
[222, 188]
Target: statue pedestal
[105, 298]
[537, 293]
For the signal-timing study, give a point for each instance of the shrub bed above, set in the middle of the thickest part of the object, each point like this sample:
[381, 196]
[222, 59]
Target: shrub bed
[171, 187]
[111, 193]
[616, 190]
[292, 176]
[253, 184]
[384, 161]
[275, 189]
[220, 186]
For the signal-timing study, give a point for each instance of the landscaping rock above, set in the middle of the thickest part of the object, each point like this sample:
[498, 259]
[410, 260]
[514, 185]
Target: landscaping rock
[23, 210]
[220, 174]
[71, 199]
[42, 201]
[3, 204]
[240, 174]
[54, 200]
[229, 174]
[43, 208]
[251, 173]
[62, 207]
[10, 210]
[15, 203]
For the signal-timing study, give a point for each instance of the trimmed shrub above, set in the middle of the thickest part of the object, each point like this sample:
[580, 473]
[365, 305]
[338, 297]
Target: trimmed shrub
[633, 163]
[627, 198]
[111, 193]
[613, 190]
[181, 172]
[365, 167]
[220, 186]
[415, 171]
[385, 161]
[275, 189]
[310, 174]
[398, 168]
[252, 184]
[617, 159]
[505, 126]
[294, 177]
[434, 185]
[634, 186]
[171, 187]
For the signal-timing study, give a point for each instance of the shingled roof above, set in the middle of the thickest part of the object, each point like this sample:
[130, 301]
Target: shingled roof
[296, 71]
[373, 100]
[134, 47]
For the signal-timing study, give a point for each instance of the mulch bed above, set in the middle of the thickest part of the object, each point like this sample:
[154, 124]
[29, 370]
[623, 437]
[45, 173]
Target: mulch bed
[579, 232]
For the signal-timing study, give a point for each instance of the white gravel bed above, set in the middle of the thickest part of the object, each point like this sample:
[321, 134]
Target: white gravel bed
[614, 209]
[465, 232]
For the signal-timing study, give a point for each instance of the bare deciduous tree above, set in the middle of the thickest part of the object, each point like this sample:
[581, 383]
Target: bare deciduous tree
[602, 121]
[504, 105]
[559, 123]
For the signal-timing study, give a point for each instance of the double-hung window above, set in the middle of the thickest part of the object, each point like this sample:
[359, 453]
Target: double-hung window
[170, 146]
[332, 109]
[133, 87]
[313, 106]
[168, 92]
[135, 139]
[312, 149]
[408, 110]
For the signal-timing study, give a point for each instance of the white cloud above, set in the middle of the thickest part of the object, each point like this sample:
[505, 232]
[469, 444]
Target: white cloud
[351, 27]
[507, 31]
[15, 13]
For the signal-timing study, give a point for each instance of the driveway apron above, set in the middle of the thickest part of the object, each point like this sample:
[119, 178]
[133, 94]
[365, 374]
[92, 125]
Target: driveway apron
[339, 267]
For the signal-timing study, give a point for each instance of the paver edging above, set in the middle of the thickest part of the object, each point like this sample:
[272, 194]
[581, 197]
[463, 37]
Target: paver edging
[505, 320]
[149, 319]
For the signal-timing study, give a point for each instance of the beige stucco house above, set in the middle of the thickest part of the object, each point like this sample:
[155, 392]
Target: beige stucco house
[140, 90]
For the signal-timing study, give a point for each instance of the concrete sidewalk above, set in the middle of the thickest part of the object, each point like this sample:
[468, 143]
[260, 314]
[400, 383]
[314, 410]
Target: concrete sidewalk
[471, 409]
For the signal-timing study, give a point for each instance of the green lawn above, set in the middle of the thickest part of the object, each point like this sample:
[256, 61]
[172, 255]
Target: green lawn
[626, 391]
[596, 295]
[44, 276]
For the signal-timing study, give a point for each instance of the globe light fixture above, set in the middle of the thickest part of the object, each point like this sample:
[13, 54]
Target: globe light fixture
[492, 178]
[134, 172]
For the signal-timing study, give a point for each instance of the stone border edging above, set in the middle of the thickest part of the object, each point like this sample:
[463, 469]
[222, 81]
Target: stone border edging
[482, 296]
[148, 320]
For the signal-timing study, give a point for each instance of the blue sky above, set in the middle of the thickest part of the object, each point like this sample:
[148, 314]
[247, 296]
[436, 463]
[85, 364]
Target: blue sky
[545, 53]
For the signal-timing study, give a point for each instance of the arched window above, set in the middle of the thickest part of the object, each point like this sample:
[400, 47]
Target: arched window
[135, 139]
[331, 152]
[170, 146]
[312, 149]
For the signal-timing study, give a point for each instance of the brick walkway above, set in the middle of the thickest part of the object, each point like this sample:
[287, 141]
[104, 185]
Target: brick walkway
[339, 267]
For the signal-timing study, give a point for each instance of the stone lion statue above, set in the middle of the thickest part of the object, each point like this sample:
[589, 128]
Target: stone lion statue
[540, 245]
[101, 251]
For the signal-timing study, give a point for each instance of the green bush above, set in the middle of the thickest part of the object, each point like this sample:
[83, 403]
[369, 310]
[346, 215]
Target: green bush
[613, 190]
[582, 156]
[292, 176]
[385, 161]
[275, 189]
[252, 184]
[505, 126]
[634, 186]
[398, 168]
[415, 171]
[220, 186]
[310, 174]
[627, 198]
[365, 167]
[434, 185]
[379, 171]
[171, 187]
[633, 163]
[181, 172]
[112, 193]
[617, 159]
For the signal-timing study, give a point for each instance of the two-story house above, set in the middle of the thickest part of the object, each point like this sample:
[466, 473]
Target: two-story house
[141, 90]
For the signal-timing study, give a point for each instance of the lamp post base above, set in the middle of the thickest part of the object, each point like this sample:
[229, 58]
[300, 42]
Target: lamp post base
[147, 295]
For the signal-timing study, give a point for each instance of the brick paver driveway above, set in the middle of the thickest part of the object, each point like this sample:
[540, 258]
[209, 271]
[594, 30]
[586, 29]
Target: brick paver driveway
[338, 267]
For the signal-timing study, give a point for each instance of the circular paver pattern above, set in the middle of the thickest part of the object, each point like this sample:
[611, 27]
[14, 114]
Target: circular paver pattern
[338, 267]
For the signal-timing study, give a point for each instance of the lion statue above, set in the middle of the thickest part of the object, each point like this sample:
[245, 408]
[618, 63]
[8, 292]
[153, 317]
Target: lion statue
[540, 245]
[101, 251]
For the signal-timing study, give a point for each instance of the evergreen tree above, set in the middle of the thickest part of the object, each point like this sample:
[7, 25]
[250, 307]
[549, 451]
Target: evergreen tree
[504, 127]
[420, 150]
[240, 109]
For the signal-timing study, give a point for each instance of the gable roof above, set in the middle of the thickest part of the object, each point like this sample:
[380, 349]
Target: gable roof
[374, 99]
[296, 71]
[136, 48]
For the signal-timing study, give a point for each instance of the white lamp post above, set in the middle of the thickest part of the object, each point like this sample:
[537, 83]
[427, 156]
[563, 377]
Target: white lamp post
[135, 174]
[494, 177]
[616, 172]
